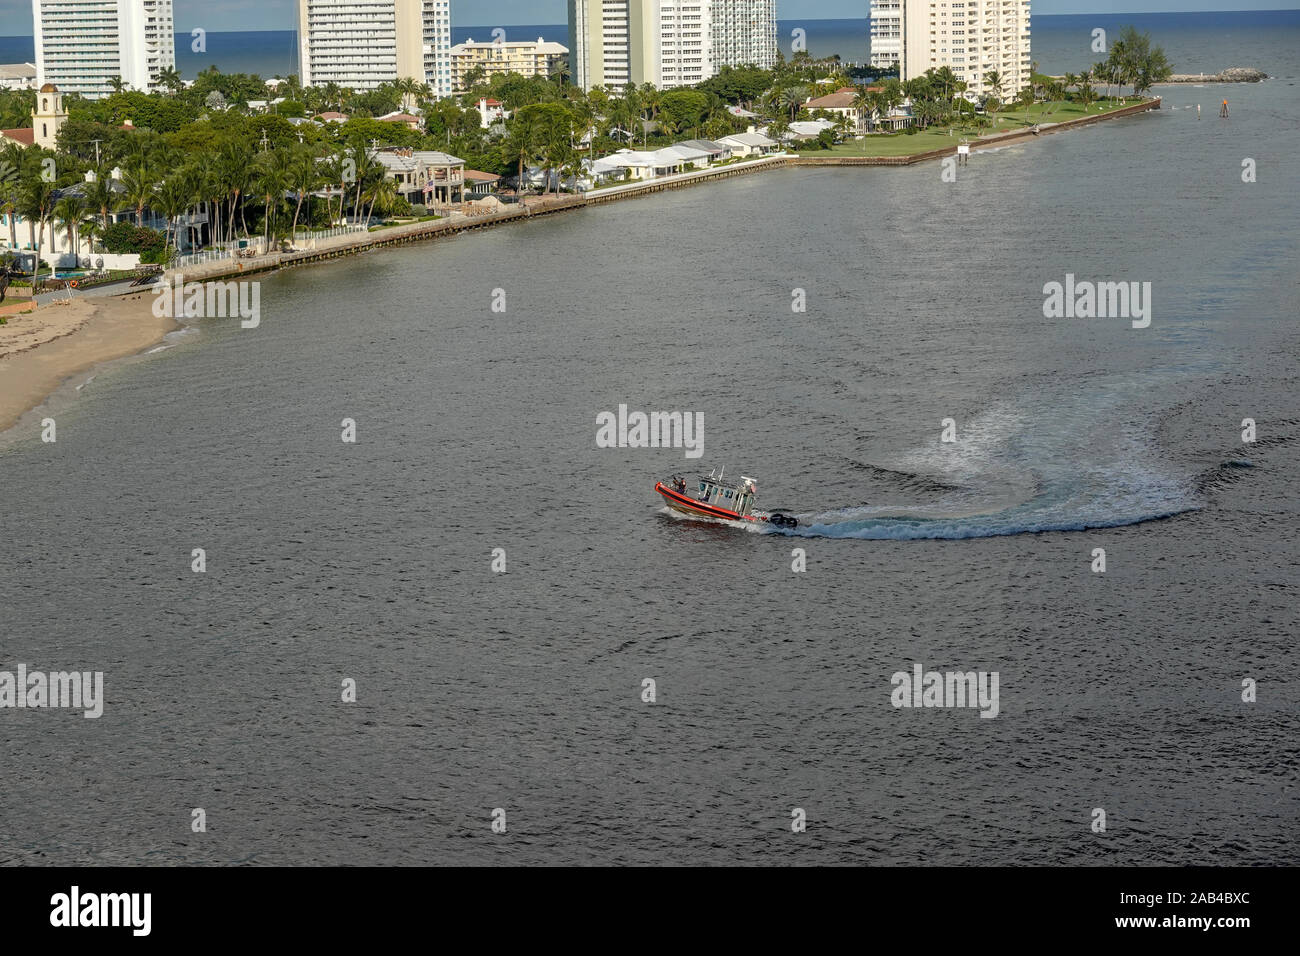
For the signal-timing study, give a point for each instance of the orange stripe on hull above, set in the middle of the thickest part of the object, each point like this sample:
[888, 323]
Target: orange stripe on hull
[681, 503]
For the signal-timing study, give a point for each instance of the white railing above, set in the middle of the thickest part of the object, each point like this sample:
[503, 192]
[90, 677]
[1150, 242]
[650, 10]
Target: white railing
[195, 258]
[328, 233]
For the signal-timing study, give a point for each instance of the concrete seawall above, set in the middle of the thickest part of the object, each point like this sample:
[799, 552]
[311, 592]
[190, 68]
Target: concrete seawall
[338, 246]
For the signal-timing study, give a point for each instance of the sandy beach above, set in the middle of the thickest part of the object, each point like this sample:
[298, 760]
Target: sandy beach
[42, 349]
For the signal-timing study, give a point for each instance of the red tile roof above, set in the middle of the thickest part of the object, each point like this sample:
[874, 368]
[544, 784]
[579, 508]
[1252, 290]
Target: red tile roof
[479, 176]
[26, 137]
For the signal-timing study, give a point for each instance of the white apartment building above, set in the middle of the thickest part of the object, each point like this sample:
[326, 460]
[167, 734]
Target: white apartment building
[886, 33]
[614, 43]
[677, 44]
[599, 43]
[83, 45]
[972, 38]
[527, 58]
[744, 33]
[437, 47]
[361, 44]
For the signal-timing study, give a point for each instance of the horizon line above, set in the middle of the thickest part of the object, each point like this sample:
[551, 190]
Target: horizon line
[475, 26]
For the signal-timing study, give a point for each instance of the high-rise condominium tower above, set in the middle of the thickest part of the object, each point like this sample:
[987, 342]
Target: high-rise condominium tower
[886, 33]
[744, 33]
[82, 46]
[971, 37]
[359, 44]
[669, 43]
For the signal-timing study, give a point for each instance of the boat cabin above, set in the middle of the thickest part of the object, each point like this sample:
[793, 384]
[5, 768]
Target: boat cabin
[737, 497]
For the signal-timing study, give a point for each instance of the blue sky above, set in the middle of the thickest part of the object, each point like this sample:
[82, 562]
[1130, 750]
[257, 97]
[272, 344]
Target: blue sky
[16, 15]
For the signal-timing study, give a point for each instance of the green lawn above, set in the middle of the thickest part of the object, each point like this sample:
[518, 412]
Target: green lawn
[938, 137]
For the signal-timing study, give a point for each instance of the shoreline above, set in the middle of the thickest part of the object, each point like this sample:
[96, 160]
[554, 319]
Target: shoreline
[338, 246]
[42, 349]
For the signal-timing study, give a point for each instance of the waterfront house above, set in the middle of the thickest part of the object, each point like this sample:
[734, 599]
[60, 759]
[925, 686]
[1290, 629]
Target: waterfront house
[840, 103]
[752, 143]
[648, 165]
[600, 172]
[481, 184]
[691, 157]
[64, 252]
[900, 117]
[717, 152]
[424, 176]
[802, 131]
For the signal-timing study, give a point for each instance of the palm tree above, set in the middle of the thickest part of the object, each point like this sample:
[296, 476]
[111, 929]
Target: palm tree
[1086, 93]
[408, 87]
[1118, 63]
[10, 181]
[117, 85]
[233, 170]
[523, 143]
[863, 105]
[36, 204]
[272, 176]
[1069, 80]
[1101, 71]
[170, 79]
[69, 210]
[383, 193]
[89, 229]
[304, 178]
[140, 181]
[100, 195]
[993, 80]
[173, 201]
[651, 101]
[335, 174]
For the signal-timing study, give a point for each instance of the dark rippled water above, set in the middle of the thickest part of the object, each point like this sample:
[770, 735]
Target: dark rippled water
[522, 690]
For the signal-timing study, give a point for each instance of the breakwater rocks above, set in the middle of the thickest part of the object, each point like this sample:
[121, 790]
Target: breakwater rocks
[1235, 75]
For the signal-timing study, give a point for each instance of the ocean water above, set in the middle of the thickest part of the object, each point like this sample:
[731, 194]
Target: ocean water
[1196, 42]
[523, 691]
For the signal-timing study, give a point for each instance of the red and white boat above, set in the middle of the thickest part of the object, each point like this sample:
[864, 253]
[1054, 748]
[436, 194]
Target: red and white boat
[714, 497]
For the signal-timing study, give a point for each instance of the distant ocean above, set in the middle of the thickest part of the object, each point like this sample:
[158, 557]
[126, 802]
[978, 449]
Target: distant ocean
[1194, 41]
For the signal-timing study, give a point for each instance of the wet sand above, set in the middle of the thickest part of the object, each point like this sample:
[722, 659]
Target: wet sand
[42, 349]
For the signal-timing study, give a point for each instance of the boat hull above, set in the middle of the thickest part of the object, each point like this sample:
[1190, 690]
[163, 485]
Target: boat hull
[698, 509]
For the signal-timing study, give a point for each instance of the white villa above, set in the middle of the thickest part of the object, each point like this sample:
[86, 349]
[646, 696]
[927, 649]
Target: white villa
[424, 176]
[752, 143]
[64, 251]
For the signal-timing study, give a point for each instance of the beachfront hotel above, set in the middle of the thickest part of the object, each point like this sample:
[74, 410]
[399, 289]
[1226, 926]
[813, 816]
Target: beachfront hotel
[668, 43]
[971, 37]
[83, 45]
[527, 58]
[361, 44]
